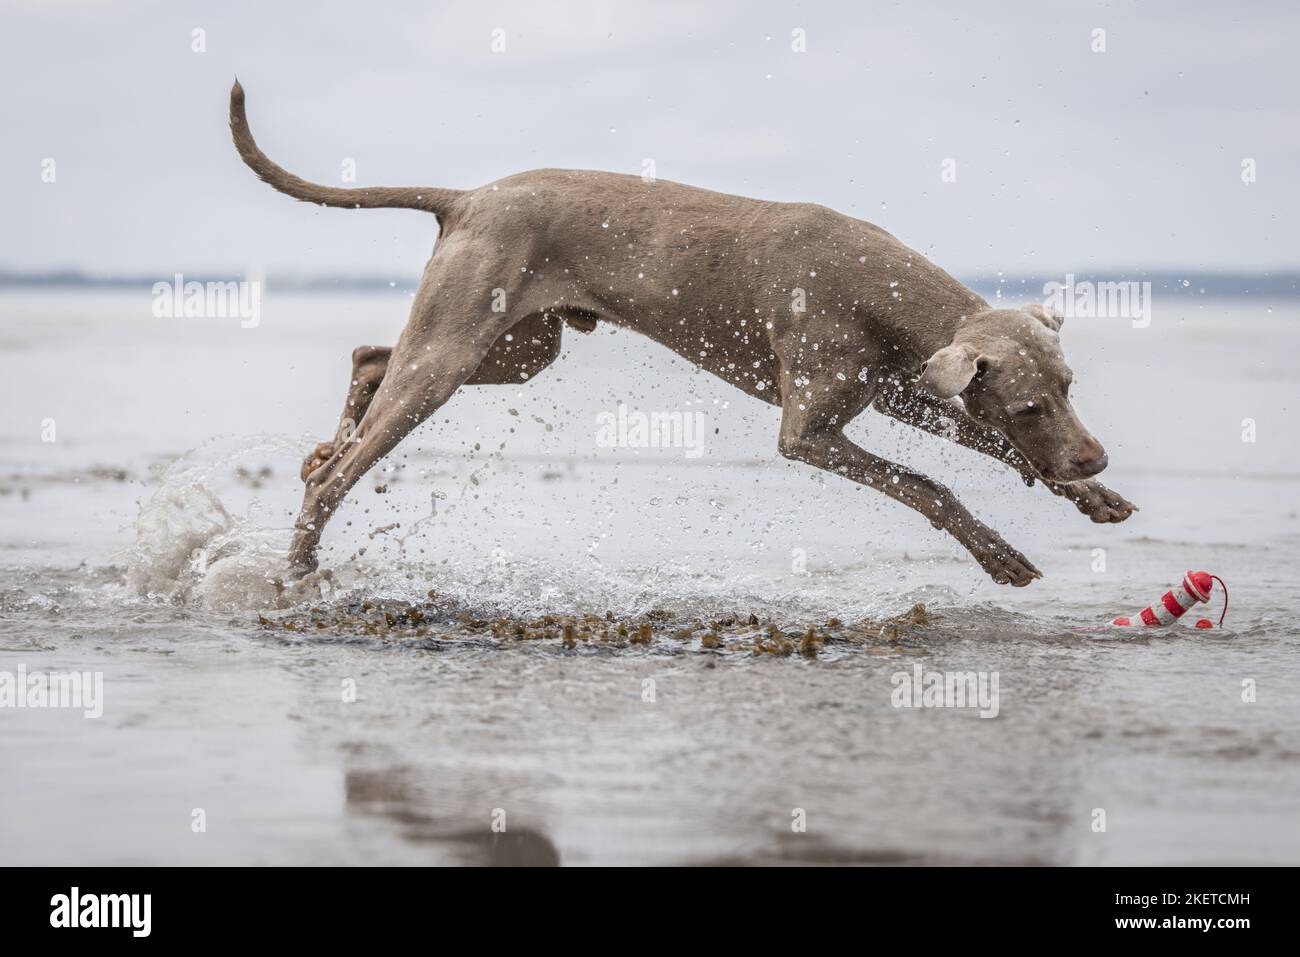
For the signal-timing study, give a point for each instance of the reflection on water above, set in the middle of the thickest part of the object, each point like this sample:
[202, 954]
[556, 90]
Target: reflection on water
[395, 794]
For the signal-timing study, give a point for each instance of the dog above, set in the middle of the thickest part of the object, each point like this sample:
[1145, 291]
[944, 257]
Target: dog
[795, 304]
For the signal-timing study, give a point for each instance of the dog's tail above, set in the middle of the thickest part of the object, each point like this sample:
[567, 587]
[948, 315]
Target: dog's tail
[428, 199]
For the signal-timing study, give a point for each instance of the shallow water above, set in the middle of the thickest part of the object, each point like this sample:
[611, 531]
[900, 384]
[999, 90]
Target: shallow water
[146, 542]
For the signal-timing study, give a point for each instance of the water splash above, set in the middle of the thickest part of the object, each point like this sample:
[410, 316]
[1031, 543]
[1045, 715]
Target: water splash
[190, 548]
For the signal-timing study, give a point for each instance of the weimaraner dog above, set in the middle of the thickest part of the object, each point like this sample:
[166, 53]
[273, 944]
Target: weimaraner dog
[793, 303]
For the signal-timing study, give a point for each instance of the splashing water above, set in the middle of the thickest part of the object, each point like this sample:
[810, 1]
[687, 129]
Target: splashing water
[190, 549]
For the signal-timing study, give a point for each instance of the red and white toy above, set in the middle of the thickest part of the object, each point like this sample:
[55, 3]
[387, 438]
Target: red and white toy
[1194, 588]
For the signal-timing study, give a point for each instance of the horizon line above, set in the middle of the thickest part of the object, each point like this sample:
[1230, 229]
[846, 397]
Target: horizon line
[1209, 282]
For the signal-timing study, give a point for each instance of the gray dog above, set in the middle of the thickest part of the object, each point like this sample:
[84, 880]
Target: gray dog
[795, 304]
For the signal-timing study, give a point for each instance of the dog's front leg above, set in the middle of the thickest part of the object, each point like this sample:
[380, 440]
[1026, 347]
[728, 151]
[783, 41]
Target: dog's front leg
[944, 418]
[822, 443]
[918, 408]
[1095, 500]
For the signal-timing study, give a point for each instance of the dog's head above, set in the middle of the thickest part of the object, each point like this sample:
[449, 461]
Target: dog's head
[1008, 368]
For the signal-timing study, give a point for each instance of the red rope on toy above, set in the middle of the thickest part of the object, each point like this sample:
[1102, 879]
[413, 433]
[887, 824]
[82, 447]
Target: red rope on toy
[1225, 598]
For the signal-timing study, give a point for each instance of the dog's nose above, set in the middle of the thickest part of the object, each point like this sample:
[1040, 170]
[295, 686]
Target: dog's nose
[1092, 457]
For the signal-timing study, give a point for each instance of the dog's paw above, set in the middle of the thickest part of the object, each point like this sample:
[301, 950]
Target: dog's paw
[1098, 502]
[301, 564]
[1005, 565]
[318, 457]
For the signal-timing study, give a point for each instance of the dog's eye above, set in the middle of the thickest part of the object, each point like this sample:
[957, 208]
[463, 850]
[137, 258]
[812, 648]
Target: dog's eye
[1027, 410]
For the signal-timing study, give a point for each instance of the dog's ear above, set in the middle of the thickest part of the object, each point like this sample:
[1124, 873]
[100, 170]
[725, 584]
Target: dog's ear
[1046, 316]
[947, 372]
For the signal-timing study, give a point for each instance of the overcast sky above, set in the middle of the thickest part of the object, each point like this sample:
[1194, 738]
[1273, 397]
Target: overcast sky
[1065, 159]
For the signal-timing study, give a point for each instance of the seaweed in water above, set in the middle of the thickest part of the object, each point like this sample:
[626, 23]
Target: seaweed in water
[439, 624]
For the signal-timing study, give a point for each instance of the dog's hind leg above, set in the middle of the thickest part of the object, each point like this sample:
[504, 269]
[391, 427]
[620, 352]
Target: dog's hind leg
[517, 355]
[444, 342]
[369, 363]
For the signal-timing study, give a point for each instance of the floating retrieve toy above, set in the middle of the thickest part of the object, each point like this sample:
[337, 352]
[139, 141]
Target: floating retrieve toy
[1195, 587]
